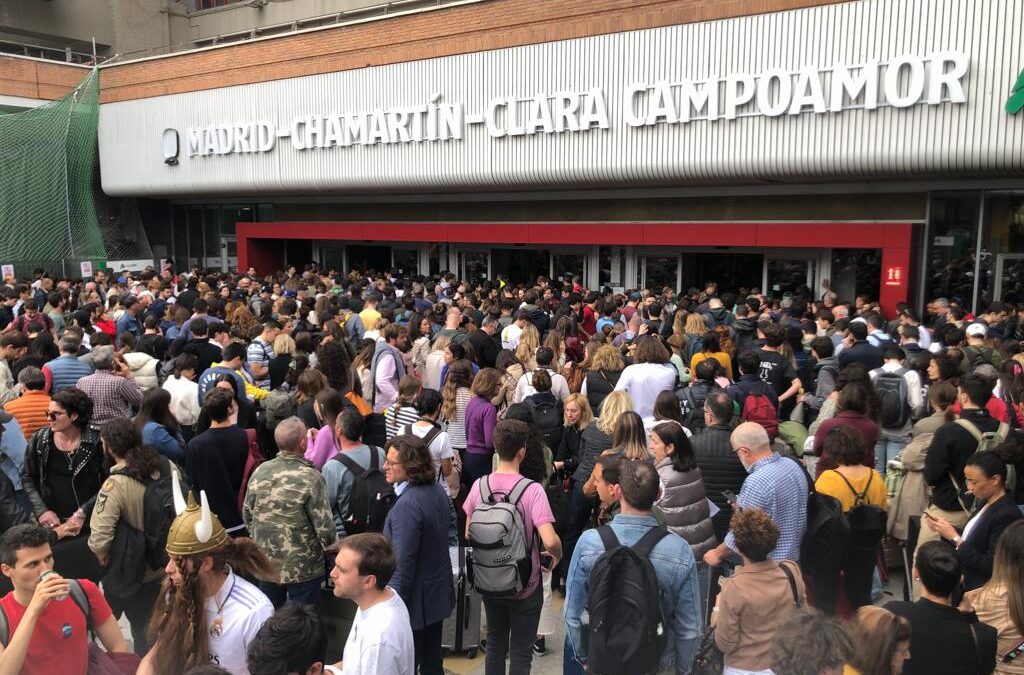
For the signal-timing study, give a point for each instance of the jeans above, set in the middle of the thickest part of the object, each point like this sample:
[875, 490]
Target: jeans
[304, 593]
[703, 579]
[886, 449]
[570, 666]
[427, 646]
[138, 607]
[453, 525]
[512, 629]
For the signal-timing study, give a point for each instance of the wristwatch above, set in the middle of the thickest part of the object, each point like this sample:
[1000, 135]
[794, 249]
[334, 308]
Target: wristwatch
[956, 541]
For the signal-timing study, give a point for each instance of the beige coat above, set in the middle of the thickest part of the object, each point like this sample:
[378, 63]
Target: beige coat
[992, 607]
[912, 492]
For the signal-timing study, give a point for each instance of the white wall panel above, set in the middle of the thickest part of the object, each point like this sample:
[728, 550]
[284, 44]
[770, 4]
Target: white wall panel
[977, 138]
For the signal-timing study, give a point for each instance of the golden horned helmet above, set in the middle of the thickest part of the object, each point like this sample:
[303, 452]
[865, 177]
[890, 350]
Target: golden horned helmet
[196, 530]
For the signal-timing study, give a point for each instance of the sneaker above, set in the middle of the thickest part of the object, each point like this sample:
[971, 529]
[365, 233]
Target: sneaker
[540, 647]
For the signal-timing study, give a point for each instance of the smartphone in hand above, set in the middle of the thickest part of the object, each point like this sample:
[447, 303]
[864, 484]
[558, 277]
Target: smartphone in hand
[729, 496]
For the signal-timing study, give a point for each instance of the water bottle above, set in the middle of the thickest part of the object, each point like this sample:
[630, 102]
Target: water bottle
[46, 575]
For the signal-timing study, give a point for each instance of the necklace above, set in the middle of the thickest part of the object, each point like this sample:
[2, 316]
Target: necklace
[217, 627]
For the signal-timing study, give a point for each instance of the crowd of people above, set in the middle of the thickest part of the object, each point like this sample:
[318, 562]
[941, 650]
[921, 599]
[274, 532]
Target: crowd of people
[714, 480]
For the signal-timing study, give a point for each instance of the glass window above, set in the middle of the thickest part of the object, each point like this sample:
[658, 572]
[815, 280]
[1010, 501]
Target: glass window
[180, 227]
[195, 236]
[474, 265]
[232, 214]
[656, 272]
[568, 265]
[856, 271]
[407, 261]
[265, 213]
[949, 265]
[1001, 247]
[786, 275]
[438, 254]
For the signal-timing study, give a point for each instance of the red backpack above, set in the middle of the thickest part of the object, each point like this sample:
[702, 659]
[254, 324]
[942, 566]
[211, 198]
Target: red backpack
[757, 407]
[253, 460]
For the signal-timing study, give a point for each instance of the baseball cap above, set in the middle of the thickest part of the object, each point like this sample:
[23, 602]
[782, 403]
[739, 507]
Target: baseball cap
[977, 330]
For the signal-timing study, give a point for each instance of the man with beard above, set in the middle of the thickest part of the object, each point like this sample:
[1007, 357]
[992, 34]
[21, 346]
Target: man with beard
[206, 613]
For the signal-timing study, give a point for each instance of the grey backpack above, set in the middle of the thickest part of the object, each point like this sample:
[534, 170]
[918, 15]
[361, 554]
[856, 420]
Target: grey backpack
[502, 564]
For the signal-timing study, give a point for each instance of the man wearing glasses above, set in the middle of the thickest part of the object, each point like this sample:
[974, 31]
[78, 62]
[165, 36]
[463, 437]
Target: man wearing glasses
[775, 485]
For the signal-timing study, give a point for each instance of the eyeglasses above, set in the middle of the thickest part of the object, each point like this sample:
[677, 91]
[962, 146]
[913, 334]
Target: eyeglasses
[388, 462]
[53, 415]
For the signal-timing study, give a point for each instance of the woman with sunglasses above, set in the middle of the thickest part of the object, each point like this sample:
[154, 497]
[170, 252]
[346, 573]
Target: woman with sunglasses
[62, 475]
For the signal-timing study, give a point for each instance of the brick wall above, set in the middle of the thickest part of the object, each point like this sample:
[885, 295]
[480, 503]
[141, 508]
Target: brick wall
[34, 78]
[458, 30]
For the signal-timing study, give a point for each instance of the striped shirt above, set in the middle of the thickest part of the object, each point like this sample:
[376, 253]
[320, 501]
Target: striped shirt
[778, 487]
[457, 425]
[398, 416]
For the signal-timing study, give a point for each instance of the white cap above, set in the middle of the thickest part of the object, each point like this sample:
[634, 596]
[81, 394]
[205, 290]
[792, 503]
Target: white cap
[977, 330]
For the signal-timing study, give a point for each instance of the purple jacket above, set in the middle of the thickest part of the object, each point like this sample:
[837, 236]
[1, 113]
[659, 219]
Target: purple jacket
[323, 448]
[481, 418]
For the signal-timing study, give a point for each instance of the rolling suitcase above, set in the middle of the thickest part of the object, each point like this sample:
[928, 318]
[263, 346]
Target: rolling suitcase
[460, 633]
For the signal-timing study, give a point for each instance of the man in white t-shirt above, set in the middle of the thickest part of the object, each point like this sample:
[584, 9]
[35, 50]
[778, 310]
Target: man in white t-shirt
[559, 385]
[512, 332]
[380, 640]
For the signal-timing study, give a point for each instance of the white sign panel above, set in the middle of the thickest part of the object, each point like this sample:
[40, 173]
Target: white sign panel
[6, 272]
[86, 268]
[731, 101]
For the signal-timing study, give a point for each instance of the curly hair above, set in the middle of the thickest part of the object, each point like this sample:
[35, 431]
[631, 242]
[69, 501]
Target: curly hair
[74, 401]
[333, 361]
[415, 458]
[755, 532]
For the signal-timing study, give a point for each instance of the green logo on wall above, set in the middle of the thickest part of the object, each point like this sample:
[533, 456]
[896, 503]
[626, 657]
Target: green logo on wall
[1015, 103]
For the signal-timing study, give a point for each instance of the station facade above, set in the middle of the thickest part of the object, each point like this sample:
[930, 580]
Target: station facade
[866, 144]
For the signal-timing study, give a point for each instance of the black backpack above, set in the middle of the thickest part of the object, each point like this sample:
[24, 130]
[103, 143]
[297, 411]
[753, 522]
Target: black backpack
[547, 417]
[371, 497]
[867, 521]
[133, 551]
[828, 531]
[693, 409]
[627, 632]
[894, 393]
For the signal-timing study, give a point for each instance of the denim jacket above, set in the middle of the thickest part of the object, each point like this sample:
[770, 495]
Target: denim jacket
[675, 567]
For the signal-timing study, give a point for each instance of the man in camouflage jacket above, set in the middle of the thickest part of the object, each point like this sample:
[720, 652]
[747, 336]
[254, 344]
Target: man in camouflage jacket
[289, 516]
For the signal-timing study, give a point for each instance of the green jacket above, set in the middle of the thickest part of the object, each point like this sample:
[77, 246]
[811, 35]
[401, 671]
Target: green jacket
[289, 517]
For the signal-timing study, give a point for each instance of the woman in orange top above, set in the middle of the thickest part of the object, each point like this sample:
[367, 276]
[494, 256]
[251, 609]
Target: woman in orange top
[712, 349]
[853, 484]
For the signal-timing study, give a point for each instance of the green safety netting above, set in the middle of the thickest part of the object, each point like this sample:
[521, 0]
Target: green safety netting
[47, 192]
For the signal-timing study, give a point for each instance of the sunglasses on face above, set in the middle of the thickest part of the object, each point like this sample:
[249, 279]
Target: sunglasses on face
[53, 416]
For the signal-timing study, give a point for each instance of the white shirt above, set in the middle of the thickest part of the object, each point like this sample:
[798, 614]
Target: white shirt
[184, 399]
[915, 397]
[440, 448]
[524, 387]
[510, 336]
[380, 640]
[643, 382]
[244, 611]
[972, 522]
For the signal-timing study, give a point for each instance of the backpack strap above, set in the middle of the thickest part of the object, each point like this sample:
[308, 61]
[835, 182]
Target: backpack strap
[77, 594]
[352, 465]
[516, 493]
[859, 498]
[646, 543]
[971, 427]
[792, 582]
[608, 537]
[485, 490]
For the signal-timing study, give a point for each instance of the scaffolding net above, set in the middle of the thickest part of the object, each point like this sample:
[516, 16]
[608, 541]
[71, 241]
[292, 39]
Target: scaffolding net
[48, 215]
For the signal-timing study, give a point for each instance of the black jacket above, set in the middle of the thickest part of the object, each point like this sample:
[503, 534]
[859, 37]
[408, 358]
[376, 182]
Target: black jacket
[11, 513]
[485, 347]
[978, 548]
[89, 473]
[951, 446]
[205, 352]
[600, 383]
[862, 352]
[568, 450]
[941, 640]
[721, 470]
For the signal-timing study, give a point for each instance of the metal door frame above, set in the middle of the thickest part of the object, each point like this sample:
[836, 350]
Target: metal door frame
[1001, 258]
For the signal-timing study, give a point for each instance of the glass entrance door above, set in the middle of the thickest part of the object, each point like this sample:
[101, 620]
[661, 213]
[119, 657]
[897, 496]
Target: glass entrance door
[520, 265]
[565, 265]
[1010, 277]
[474, 265]
[658, 271]
[785, 274]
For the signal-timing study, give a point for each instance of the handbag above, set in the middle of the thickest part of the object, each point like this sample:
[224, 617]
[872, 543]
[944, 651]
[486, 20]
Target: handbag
[709, 659]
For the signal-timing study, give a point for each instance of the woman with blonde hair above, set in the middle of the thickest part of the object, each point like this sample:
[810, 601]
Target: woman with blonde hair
[529, 343]
[883, 642]
[694, 330]
[277, 367]
[1000, 602]
[603, 373]
[629, 440]
[434, 362]
[576, 417]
